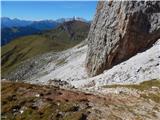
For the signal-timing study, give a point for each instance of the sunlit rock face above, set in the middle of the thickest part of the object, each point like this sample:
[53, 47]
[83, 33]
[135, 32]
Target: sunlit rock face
[121, 29]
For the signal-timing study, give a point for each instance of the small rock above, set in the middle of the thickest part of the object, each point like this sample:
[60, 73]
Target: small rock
[37, 95]
[60, 114]
[21, 111]
[58, 103]
[154, 87]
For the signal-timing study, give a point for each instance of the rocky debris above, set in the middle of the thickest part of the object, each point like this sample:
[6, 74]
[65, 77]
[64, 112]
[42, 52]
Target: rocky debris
[121, 29]
[59, 83]
[141, 67]
[69, 67]
[31, 67]
[66, 65]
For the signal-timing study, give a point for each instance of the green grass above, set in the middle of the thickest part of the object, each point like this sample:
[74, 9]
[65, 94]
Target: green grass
[146, 85]
[152, 96]
[61, 62]
[142, 86]
[72, 31]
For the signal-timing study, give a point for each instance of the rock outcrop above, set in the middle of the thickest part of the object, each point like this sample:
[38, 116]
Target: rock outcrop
[119, 30]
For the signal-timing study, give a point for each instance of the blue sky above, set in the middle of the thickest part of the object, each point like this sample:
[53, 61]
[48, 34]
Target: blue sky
[38, 10]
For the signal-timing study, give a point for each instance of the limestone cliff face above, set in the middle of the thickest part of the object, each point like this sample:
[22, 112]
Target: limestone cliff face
[121, 29]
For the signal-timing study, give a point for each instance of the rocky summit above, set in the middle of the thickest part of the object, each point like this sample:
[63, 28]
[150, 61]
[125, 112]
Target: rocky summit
[121, 29]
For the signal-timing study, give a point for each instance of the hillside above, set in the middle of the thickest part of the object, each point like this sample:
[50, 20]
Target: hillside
[44, 24]
[73, 31]
[63, 37]
[69, 66]
[9, 34]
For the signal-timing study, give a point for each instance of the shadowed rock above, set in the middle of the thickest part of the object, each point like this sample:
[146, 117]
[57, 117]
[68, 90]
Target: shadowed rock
[121, 29]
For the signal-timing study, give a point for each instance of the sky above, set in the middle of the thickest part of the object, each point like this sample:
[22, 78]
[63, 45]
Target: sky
[39, 10]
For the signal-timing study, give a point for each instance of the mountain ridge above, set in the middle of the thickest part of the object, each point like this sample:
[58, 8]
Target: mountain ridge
[14, 28]
[15, 22]
[9, 34]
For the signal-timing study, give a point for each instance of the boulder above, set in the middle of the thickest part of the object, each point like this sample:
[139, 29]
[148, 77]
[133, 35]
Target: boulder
[121, 29]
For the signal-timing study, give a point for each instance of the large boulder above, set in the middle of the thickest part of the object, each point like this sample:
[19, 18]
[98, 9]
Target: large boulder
[121, 29]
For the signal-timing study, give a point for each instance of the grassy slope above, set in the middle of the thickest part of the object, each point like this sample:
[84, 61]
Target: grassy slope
[54, 40]
[73, 31]
[146, 85]
[51, 104]
[20, 102]
[142, 86]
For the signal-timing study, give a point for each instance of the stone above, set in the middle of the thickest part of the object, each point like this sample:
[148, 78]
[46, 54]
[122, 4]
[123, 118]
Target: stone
[121, 29]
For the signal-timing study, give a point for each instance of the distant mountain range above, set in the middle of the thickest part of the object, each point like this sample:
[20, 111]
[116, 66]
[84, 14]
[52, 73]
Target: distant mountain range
[14, 28]
[43, 24]
[10, 33]
[7, 22]
[40, 25]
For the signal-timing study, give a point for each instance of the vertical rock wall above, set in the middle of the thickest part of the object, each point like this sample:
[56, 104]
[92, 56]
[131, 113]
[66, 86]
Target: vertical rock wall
[119, 30]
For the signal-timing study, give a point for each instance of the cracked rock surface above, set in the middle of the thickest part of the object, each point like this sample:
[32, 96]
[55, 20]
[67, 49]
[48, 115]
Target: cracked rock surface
[121, 29]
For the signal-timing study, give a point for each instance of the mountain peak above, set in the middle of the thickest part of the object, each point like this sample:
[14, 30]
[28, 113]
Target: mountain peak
[61, 20]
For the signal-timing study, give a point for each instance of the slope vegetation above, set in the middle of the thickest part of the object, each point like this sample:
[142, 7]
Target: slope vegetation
[65, 36]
